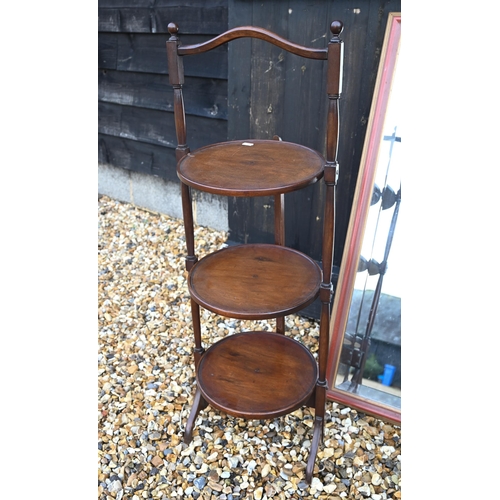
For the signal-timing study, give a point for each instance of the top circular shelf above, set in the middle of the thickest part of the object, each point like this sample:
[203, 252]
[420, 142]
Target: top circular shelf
[251, 168]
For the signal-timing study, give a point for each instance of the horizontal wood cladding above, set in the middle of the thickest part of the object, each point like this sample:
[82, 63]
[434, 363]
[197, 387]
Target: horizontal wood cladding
[146, 53]
[203, 96]
[136, 122]
[138, 156]
[156, 127]
[153, 17]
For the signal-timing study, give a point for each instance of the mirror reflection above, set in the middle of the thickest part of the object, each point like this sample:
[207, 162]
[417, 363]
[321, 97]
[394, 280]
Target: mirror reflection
[370, 357]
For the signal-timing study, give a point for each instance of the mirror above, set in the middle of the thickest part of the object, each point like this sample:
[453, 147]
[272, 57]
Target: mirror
[364, 368]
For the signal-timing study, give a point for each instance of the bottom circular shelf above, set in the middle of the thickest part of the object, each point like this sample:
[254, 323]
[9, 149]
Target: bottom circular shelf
[257, 375]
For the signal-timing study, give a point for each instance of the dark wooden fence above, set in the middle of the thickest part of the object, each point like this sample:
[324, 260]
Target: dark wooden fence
[136, 125]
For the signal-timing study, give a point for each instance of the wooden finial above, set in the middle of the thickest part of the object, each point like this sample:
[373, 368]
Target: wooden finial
[173, 29]
[336, 28]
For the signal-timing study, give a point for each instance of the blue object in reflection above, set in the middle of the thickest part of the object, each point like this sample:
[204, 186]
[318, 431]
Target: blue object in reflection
[388, 375]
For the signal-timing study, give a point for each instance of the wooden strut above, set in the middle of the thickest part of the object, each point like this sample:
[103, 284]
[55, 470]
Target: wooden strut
[279, 236]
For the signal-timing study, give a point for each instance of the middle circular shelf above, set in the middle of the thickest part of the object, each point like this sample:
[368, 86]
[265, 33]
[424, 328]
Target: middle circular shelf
[255, 281]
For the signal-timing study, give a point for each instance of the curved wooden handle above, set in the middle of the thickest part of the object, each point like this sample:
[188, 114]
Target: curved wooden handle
[248, 32]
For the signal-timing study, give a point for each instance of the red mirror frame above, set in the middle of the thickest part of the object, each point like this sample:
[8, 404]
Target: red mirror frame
[354, 238]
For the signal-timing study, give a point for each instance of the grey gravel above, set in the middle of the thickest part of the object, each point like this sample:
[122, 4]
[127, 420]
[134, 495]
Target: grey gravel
[146, 384]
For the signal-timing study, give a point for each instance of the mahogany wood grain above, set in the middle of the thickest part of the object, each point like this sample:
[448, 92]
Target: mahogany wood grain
[176, 78]
[263, 167]
[248, 32]
[257, 375]
[255, 281]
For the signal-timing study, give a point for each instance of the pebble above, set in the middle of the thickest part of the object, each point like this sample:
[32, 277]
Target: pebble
[251, 466]
[146, 377]
[365, 490]
[200, 482]
[316, 484]
[284, 474]
[115, 486]
[329, 488]
[265, 470]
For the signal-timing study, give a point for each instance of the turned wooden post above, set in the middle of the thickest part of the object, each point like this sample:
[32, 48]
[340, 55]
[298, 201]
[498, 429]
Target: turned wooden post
[334, 88]
[176, 78]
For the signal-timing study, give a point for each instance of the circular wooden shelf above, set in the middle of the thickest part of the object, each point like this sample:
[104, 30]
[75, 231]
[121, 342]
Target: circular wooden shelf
[255, 281]
[257, 375]
[251, 168]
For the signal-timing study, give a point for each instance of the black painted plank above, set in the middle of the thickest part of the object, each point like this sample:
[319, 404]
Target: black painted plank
[239, 55]
[199, 4]
[146, 53]
[107, 50]
[203, 97]
[138, 156]
[157, 127]
[209, 19]
[267, 69]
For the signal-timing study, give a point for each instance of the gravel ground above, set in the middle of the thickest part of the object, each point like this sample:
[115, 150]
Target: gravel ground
[146, 384]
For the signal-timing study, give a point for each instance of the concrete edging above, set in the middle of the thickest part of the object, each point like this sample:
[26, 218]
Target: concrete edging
[156, 194]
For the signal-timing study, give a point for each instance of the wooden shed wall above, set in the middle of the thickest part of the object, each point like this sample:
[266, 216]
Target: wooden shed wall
[136, 125]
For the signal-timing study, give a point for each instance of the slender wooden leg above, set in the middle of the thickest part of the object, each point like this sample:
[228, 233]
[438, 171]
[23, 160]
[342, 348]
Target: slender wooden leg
[199, 404]
[317, 439]
[319, 420]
